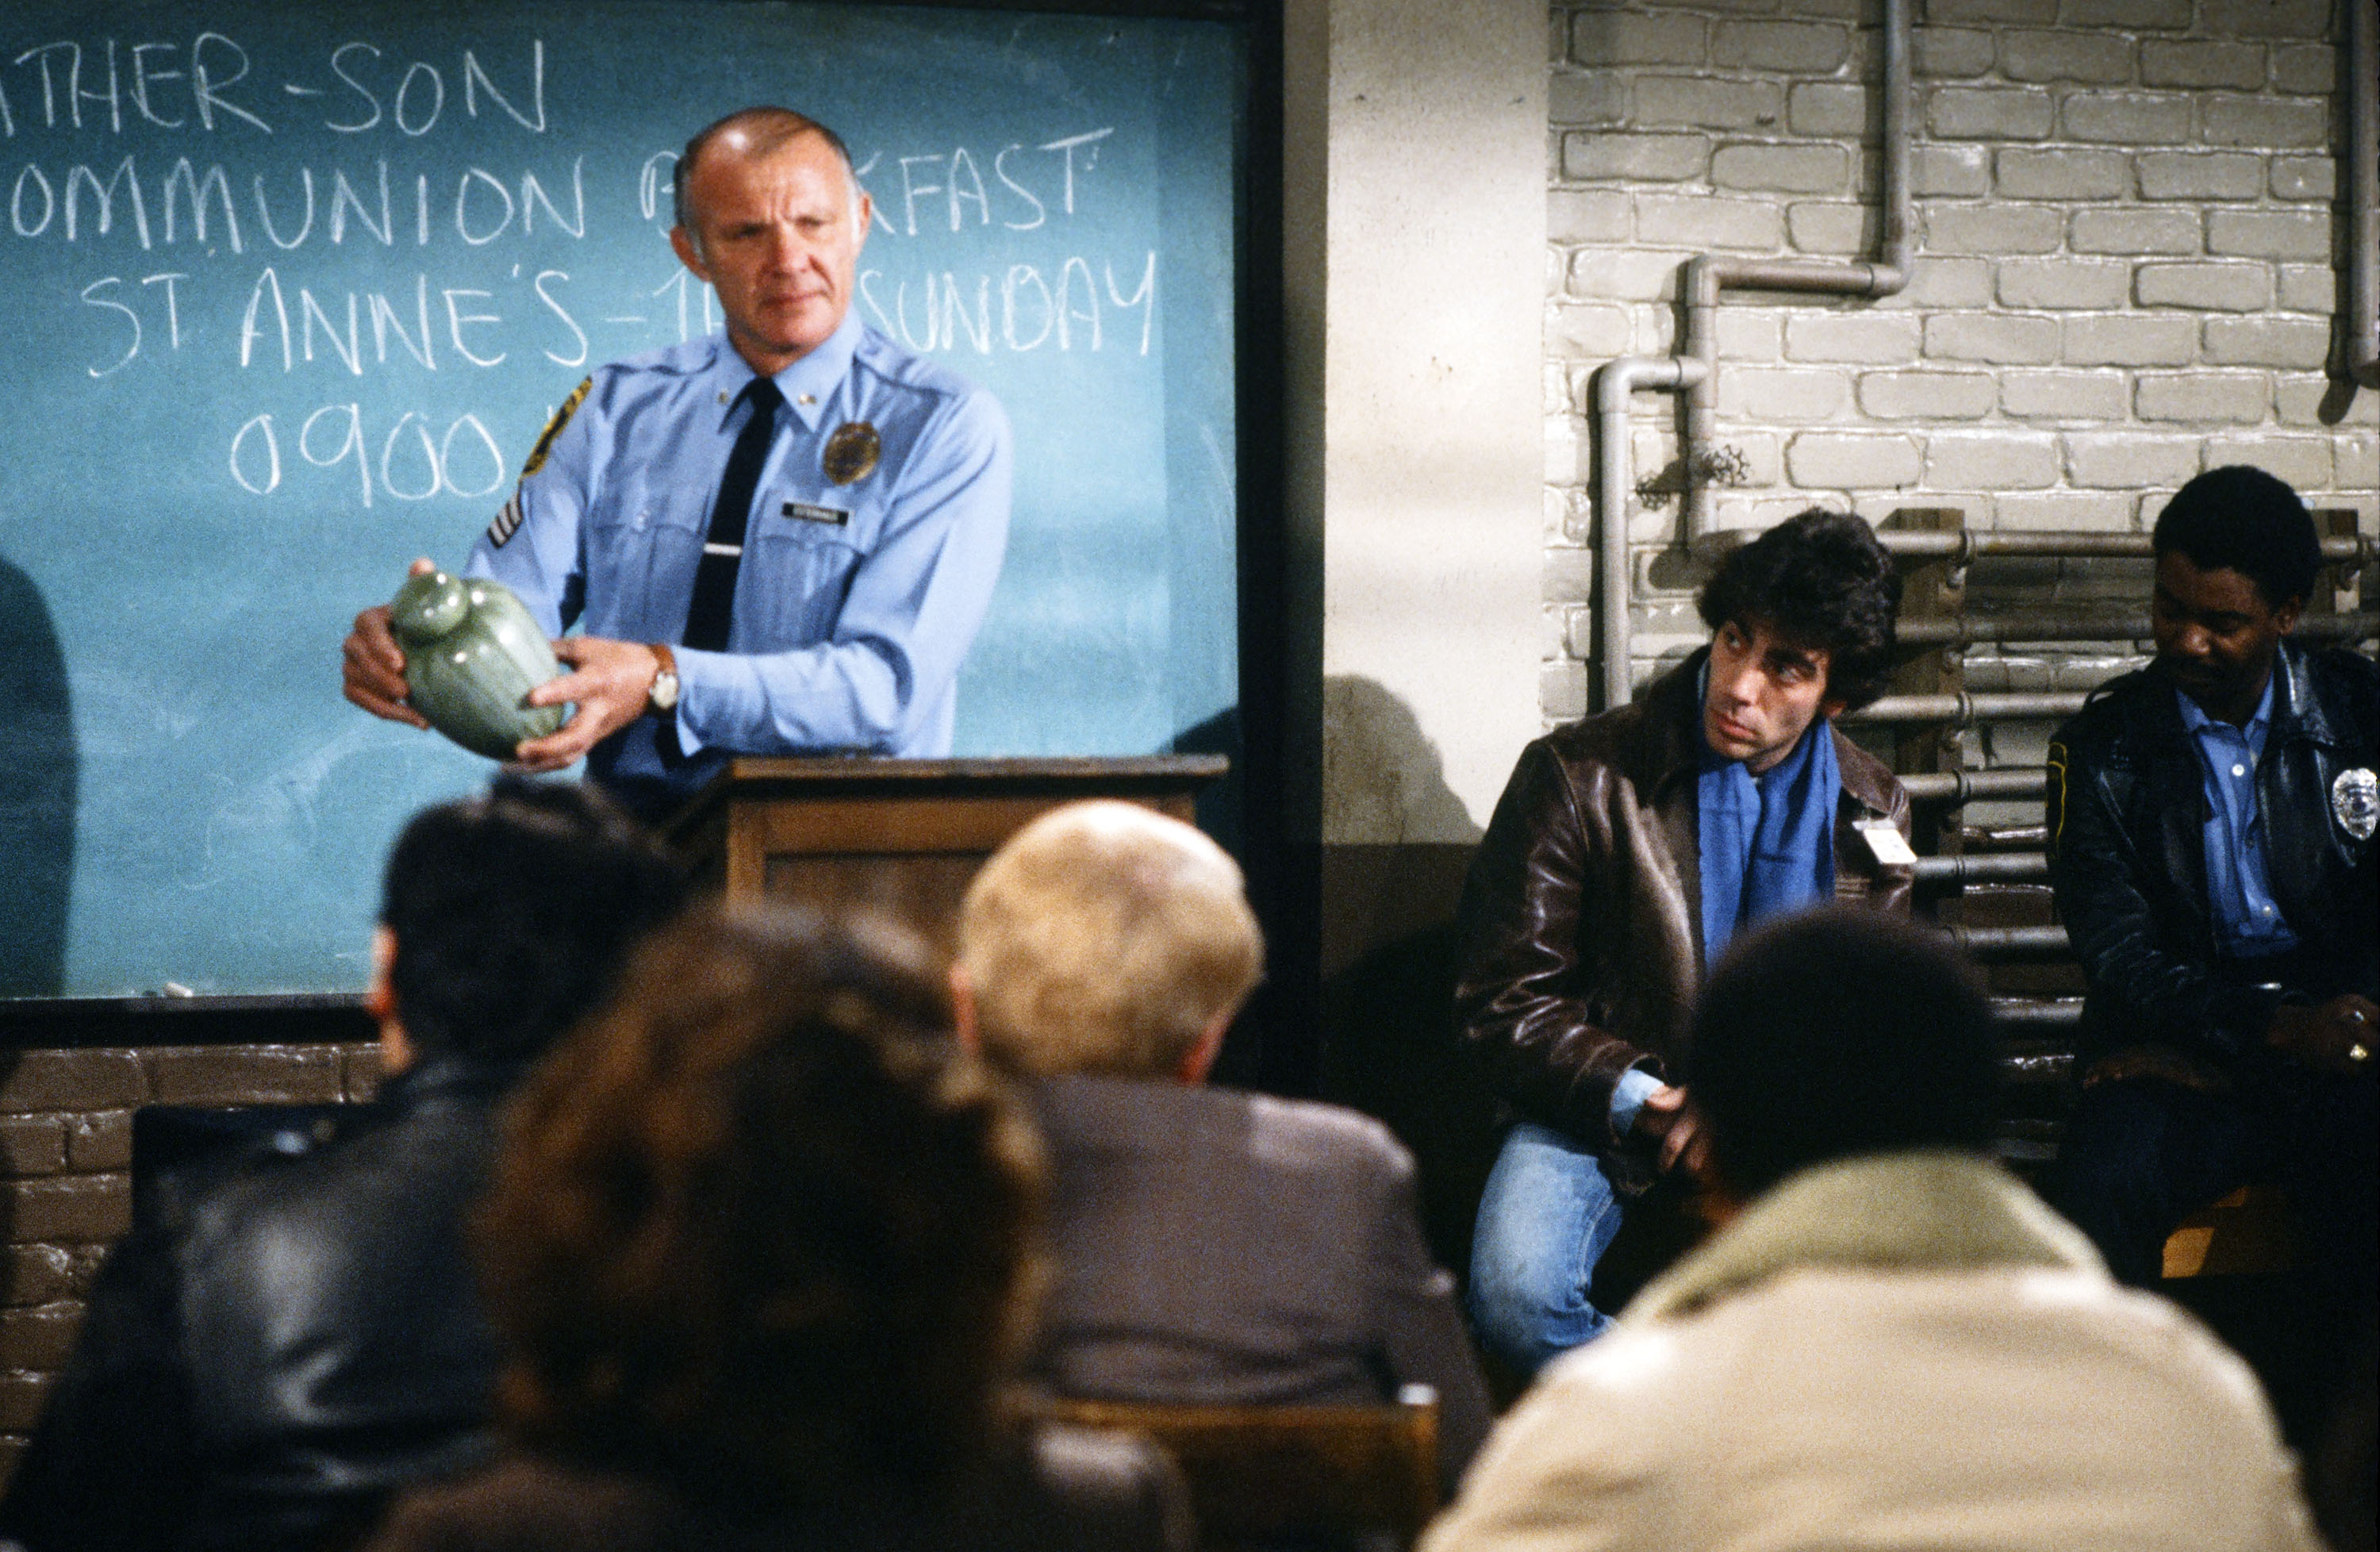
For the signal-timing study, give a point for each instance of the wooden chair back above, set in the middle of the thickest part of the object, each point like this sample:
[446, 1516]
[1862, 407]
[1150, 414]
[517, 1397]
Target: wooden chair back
[1276, 1473]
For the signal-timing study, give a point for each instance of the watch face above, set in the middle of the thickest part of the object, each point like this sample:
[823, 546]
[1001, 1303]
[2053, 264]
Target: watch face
[665, 692]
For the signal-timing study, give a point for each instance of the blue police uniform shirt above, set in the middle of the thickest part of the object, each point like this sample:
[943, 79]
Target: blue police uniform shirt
[855, 604]
[2239, 888]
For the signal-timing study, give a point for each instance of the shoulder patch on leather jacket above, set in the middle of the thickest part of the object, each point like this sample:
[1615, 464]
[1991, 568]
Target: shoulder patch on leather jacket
[2055, 795]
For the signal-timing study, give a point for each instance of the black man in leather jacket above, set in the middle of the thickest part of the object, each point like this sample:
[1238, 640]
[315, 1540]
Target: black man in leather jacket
[2212, 848]
[286, 1341]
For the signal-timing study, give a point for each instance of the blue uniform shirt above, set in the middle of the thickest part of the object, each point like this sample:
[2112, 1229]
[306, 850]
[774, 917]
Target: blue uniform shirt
[855, 604]
[2239, 889]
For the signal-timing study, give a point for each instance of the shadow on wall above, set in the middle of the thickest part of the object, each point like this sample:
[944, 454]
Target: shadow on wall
[1384, 777]
[1391, 952]
[38, 770]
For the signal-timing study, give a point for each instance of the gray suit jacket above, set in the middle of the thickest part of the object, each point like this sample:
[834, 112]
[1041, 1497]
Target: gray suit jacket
[1227, 1248]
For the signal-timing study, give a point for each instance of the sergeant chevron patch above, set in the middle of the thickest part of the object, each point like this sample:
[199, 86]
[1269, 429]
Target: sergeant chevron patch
[507, 521]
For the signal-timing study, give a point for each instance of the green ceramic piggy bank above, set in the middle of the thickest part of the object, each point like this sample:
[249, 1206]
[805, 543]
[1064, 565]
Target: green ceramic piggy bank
[472, 653]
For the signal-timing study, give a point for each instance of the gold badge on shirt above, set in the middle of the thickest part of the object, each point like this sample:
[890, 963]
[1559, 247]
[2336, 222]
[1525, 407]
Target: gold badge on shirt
[851, 453]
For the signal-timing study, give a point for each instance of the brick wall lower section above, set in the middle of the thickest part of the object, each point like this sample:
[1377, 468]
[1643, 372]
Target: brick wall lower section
[66, 1160]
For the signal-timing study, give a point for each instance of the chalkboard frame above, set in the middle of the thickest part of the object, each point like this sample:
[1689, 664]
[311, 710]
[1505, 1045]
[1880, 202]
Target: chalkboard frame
[1273, 1045]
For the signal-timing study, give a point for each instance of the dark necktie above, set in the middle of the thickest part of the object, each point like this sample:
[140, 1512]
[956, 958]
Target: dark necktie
[722, 547]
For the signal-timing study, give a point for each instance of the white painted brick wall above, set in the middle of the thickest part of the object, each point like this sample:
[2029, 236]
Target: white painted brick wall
[2124, 276]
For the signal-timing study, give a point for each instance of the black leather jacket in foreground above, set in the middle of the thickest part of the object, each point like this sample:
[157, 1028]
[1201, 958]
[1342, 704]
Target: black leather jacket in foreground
[262, 1366]
[2128, 858]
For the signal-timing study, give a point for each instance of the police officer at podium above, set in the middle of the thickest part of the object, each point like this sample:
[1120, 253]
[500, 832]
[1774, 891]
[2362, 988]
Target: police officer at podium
[781, 539]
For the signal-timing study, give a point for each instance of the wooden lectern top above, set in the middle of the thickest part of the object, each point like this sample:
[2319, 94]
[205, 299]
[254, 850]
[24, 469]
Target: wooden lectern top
[1077, 777]
[900, 837]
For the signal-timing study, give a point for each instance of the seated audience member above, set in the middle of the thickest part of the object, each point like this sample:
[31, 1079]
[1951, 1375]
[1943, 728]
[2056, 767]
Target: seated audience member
[1210, 1246]
[761, 1244]
[1625, 852]
[2211, 824]
[262, 1366]
[1890, 1342]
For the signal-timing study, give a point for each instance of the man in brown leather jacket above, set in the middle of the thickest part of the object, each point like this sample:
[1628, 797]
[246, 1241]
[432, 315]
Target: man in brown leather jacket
[1626, 849]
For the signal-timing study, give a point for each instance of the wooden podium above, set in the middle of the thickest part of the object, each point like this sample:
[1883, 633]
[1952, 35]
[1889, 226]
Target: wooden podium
[899, 837]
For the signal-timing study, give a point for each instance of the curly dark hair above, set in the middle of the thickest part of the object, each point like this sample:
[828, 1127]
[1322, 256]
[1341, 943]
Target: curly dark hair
[2241, 518]
[761, 1230]
[513, 911]
[1821, 579]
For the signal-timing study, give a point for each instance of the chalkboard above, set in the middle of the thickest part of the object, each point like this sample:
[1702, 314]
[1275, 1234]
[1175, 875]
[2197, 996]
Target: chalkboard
[289, 291]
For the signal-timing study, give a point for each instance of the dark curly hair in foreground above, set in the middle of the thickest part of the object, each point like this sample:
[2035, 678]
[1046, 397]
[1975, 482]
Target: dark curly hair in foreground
[759, 1229]
[514, 912]
[1821, 579]
[1836, 1033]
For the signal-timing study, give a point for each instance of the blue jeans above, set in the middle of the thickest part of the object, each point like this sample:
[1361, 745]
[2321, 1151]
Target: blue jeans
[1548, 1215]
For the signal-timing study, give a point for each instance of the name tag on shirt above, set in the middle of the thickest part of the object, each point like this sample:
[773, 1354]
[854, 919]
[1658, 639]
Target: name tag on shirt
[834, 517]
[1887, 846]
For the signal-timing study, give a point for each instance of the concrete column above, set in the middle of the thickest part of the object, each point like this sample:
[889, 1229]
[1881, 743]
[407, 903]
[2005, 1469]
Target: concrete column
[1415, 229]
[1415, 237]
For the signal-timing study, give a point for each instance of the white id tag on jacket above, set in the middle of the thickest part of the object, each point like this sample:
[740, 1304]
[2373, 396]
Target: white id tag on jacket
[1886, 845]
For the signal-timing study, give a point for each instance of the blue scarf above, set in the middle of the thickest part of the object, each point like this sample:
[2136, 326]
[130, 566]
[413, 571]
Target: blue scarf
[1768, 840]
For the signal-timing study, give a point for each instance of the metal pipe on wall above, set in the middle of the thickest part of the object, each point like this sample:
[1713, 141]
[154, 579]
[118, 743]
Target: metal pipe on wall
[1711, 274]
[1959, 546]
[1959, 786]
[2012, 942]
[1961, 630]
[1992, 867]
[2364, 191]
[1615, 381]
[1964, 709]
[2040, 1013]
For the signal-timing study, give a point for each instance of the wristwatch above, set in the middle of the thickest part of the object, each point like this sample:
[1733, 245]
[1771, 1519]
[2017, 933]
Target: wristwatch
[664, 695]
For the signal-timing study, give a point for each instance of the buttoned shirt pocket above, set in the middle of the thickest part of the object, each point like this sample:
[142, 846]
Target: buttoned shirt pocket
[641, 554]
[797, 569]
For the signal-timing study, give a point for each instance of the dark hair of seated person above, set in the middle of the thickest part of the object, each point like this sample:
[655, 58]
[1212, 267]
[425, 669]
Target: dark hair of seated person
[760, 1233]
[1820, 579]
[1837, 1033]
[513, 913]
[2241, 518]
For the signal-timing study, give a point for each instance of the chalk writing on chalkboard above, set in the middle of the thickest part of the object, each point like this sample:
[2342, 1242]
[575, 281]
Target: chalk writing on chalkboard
[213, 211]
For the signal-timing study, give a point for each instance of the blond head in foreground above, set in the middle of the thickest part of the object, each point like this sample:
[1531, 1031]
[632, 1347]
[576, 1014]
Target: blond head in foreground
[1107, 939]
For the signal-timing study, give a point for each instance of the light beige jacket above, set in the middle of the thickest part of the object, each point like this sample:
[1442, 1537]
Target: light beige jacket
[1905, 1351]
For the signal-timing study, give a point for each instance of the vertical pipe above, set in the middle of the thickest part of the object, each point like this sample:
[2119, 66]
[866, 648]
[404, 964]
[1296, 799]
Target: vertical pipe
[2363, 191]
[1615, 381]
[1708, 274]
[1892, 275]
[1701, 281]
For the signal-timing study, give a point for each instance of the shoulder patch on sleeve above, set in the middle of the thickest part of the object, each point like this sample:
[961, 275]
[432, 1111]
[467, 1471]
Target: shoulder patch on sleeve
[554, 429]
[507, 521]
